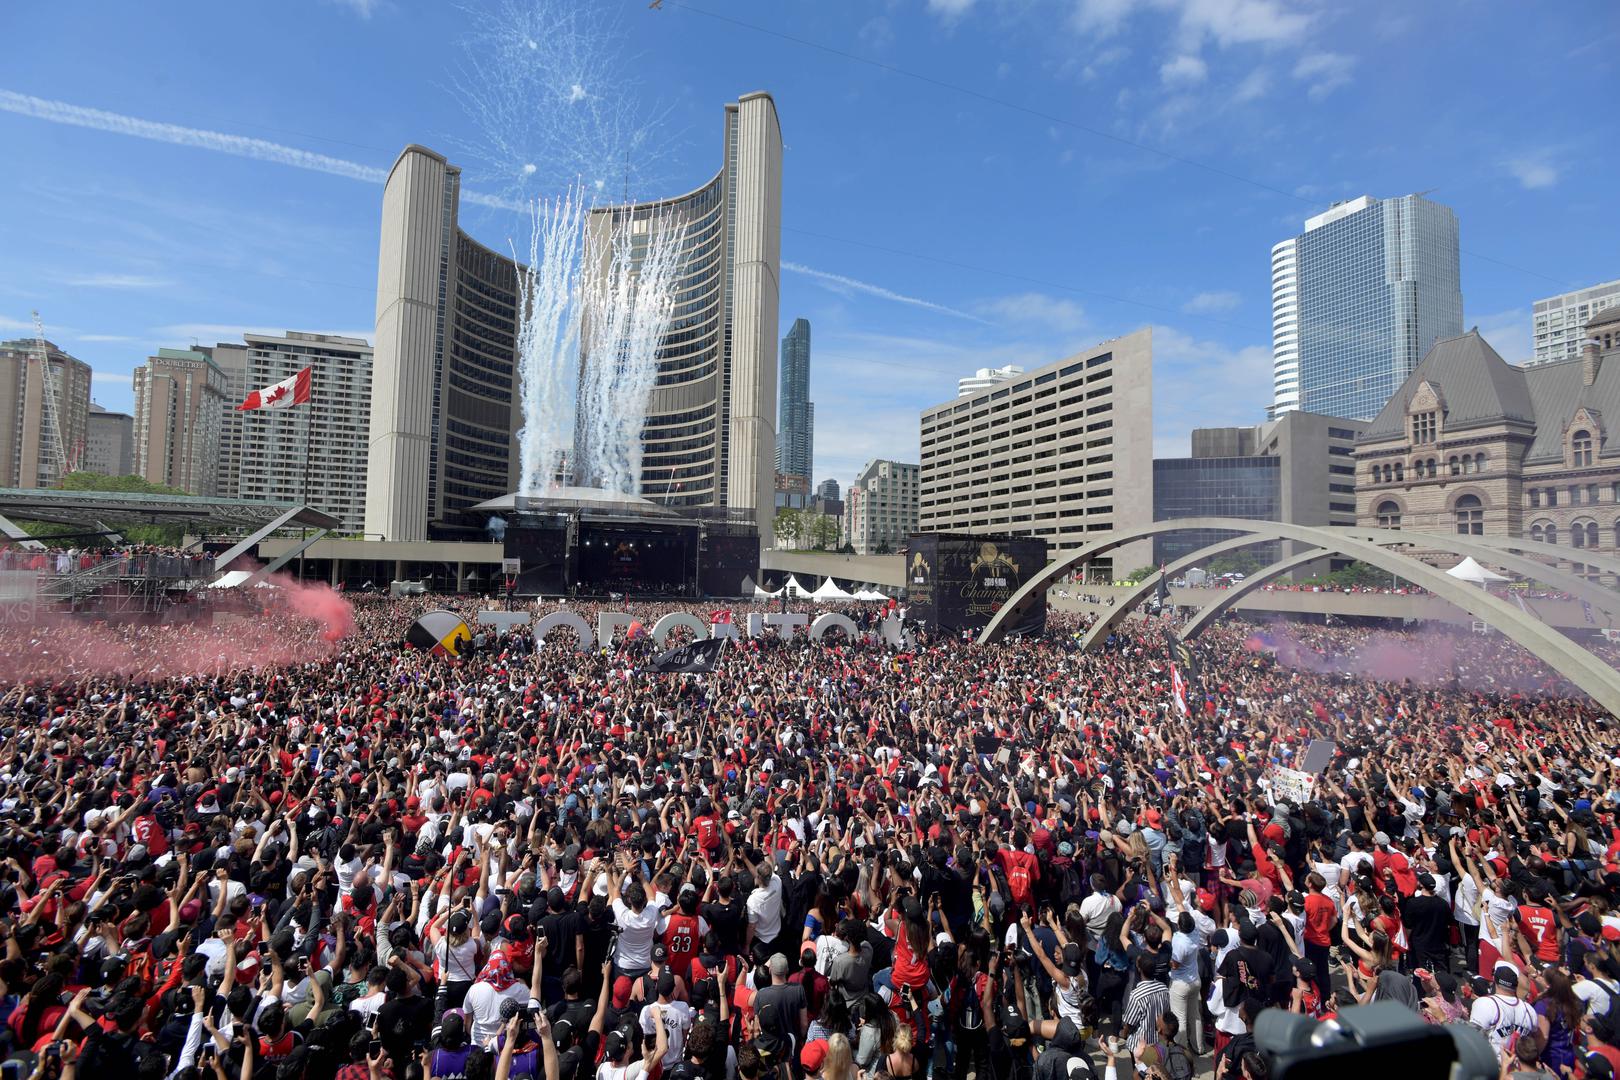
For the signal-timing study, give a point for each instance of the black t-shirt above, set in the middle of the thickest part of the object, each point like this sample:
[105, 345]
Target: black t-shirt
[778, 1009]
[561, 929]
[596, 945]
[728, 921]
[1428, 924]
[1246, 971]
[401, 1022]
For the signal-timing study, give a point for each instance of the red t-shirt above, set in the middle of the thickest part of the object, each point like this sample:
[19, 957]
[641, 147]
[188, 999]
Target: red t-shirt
[1320, 915]
[1541, 928]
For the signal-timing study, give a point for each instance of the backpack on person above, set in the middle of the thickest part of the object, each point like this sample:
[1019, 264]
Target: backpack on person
[1071, 890]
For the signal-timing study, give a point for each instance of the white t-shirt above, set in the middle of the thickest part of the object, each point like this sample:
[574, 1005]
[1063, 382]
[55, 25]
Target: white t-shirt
[1595, 995]
[1330, 873]
[1462, 906]
[677, 1022]
[1353, 860]
[636, 932]
[483, 1007]
[765, 910]
[1501, 1018]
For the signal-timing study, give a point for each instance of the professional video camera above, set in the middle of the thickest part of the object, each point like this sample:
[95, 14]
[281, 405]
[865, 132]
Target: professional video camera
[1383, 1039]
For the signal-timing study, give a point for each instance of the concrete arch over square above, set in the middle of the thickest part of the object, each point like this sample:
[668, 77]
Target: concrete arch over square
[1563, 655]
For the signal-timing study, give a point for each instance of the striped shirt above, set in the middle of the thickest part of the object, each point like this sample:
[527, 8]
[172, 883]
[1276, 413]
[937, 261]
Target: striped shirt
[1149, 1001]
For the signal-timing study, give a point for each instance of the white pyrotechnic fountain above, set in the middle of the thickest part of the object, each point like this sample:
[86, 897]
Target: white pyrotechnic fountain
[601, 313]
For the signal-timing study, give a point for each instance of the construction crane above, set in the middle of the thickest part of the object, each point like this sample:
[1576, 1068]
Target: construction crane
[53, 425]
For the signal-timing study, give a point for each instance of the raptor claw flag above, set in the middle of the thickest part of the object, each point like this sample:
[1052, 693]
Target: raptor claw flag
[282, 395]
[700, 655]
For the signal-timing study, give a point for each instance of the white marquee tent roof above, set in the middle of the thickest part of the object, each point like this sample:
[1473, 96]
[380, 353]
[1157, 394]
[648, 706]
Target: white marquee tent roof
[1470, 570]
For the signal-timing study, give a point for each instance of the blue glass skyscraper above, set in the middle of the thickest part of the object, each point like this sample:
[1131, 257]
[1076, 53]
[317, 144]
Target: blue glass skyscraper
[1357, 300]
[796, 414]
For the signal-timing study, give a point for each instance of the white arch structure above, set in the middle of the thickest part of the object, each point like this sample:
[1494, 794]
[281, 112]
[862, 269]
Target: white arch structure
[1376, 548]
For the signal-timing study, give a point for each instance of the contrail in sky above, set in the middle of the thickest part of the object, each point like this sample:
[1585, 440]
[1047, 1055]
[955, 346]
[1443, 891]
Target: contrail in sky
[61, 112]
[840, 282]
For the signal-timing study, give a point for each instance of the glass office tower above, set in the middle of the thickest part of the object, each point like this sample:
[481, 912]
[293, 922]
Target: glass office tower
[1357, 300]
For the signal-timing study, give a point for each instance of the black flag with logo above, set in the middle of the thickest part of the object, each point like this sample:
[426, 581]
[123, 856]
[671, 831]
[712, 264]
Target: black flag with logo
[696, 656]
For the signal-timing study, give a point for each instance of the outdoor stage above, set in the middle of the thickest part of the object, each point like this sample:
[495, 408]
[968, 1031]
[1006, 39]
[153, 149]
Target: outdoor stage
[583, 541]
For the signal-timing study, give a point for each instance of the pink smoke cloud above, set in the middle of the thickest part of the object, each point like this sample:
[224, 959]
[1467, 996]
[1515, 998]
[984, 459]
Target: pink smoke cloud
[291, 623]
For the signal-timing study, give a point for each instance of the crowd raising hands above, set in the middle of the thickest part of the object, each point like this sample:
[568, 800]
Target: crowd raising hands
[838, 859]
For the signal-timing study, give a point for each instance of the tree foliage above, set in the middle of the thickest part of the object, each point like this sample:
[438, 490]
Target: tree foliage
[73, 536]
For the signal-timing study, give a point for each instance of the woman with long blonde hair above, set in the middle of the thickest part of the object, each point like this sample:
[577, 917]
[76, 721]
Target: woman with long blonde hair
[839, 1064]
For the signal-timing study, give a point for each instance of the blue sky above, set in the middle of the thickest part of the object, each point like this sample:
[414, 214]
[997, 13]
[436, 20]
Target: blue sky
[967, 182]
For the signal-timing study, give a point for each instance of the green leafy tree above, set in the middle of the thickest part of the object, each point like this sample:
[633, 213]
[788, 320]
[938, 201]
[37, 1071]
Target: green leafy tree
[823, 532]
[171, 535]
[1141, 573]
[790, 527]
[1235, 562]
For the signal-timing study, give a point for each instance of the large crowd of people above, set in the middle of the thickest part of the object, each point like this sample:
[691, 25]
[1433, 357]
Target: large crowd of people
[838, 859]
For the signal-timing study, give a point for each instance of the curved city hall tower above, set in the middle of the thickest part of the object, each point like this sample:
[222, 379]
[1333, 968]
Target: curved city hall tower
[442, 407]
[710, 433]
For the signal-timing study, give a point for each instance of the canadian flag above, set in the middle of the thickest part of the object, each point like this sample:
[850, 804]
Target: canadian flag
[282, 395]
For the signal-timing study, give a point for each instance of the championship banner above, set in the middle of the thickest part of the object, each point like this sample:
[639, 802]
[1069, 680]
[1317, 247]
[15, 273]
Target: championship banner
[958, 581]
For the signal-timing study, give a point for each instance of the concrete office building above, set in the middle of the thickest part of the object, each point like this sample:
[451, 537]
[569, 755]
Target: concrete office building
[180, 401]
[880, 511]
[1357, 299]
[232, 360]
[984, 378]
[29, 456]
[795, 412]
[109, 442]
[443, 413]
[1299, 468]
[709, 439]
[1064, 452]
[1558, 323]
[336, 423]
[1473, 445]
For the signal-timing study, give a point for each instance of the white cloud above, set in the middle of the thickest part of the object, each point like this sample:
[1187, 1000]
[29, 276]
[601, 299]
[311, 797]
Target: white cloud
[103, 337]
[839, 283]
[116, 281]
[1102, 61]
[876, 34]
[15, 324]
[1206, 303]
[576, 92]
[1324, 71]
[950, 10]
[1204, 384]
[1508, 333]
[1240, 22]
[1184, 70]
[1037, 310]
[1101, 17]
[116, 378]
[1252, 88]
[1226, 22]
[362, 8]
[1533, 172]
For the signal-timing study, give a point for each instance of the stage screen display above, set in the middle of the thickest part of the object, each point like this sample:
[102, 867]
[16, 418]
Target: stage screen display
[726, 562]
[957, 581]
[632, 559]
[543, 552]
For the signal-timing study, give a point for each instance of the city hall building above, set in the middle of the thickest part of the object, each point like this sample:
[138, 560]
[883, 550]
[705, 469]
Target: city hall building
[1475, 446]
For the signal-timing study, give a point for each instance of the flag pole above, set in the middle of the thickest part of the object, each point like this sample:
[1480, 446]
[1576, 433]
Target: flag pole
[309, 429]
